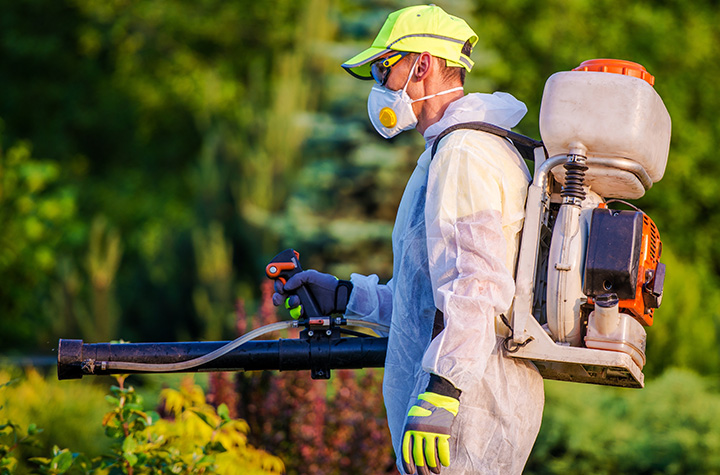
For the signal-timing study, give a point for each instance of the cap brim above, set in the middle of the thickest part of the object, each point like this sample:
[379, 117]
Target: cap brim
[359, 65]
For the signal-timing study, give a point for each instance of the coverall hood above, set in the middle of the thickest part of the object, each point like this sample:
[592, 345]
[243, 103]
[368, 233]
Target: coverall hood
[499, 108]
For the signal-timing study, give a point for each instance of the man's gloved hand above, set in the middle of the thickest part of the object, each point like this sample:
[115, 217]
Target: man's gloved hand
[331, 294]
[427, 431]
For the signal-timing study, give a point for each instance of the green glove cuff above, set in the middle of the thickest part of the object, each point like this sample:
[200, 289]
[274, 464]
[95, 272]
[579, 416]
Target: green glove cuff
[448, 403]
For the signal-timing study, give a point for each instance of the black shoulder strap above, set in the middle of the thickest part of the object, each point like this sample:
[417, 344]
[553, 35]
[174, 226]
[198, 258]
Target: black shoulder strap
[525, 145]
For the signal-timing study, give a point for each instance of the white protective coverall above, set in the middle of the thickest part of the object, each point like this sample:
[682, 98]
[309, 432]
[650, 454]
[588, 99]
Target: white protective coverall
[455, 244]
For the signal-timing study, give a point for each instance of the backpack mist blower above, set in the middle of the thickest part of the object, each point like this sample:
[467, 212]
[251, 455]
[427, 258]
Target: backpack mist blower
[588, 275]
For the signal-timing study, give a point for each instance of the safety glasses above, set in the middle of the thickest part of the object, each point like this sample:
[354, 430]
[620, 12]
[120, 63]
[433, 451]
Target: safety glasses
[380, 69]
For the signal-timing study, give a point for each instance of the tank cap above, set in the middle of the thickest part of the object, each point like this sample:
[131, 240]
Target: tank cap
[617, 66]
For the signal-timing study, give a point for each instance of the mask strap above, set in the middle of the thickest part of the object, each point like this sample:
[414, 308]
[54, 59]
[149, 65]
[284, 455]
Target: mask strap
[459, 88]
[447, 91]
[410, 75]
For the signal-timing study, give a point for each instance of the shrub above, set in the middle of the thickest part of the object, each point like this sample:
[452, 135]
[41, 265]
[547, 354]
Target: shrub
[669, 427]
[193, 438]
[61, 409]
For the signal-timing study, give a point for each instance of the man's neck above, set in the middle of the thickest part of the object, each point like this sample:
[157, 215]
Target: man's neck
[434, 109]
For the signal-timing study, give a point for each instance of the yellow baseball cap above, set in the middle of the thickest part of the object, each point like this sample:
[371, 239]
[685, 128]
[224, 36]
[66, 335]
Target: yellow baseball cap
[416, 30]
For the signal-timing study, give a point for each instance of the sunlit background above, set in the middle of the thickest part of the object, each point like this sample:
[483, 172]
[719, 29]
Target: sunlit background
[155, 154]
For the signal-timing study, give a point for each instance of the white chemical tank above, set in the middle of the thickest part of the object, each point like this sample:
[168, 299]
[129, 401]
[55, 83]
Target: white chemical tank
[611, 107]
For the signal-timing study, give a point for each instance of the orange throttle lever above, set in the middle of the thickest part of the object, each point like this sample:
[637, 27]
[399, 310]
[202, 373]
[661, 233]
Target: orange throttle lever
[285, 265]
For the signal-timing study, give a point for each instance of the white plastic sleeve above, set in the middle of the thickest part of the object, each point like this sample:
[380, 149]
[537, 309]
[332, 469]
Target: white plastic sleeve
[467, 250]
[370, 300]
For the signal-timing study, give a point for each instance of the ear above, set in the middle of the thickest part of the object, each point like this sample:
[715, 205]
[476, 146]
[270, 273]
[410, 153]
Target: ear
[424, 66]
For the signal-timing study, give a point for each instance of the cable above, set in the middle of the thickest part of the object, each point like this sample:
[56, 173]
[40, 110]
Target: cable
[630, 205]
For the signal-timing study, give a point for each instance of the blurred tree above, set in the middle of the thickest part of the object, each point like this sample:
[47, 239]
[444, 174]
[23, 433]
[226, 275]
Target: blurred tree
[35, 211]
[103, 260]
[172, 115]
[686, 330]
[213, 296]
[341, 208]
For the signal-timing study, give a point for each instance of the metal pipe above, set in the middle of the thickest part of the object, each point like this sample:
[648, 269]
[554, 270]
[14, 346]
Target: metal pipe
[537, 202]
[605, 162]
[76, 359]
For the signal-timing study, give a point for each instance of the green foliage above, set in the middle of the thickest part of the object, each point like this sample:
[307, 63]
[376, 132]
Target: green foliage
[213, 296]
[34, 207]
[63, 461]
[668, 427]
[686, 327]
[194, 438]
[61, 409]
[12, 438]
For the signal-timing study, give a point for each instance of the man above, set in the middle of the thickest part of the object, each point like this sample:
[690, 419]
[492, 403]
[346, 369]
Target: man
[454, 400]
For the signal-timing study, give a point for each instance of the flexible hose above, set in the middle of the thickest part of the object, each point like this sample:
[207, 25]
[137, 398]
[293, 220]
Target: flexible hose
[185, 365]
[376, 327]
[223, 350]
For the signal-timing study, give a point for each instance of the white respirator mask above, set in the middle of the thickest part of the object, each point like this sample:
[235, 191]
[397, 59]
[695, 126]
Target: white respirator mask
[391, 111]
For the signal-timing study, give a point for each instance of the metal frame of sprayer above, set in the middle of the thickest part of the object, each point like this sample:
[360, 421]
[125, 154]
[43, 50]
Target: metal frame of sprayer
[547, 213]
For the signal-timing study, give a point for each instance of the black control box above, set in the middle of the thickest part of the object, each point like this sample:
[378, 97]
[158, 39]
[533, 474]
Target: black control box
[613, 253]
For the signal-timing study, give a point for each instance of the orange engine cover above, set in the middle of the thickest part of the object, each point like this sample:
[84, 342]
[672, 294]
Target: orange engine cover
[650, 278]
[623, 257]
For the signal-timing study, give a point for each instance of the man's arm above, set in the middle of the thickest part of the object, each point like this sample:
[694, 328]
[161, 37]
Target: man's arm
[370, 300]
[362, 297]
[467, 252]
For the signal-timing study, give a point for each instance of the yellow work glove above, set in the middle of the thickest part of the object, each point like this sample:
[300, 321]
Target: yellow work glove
[427, 431]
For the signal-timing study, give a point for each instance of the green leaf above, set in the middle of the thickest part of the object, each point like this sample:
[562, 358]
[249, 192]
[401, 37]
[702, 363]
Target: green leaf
[154, 417]
[8, 465]
[129, 444]
[112, 400]
[206, 461]
[214, 448]
[62, 461]
[82, 461]
[114, 432]
[131, 458]
[223, 412]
